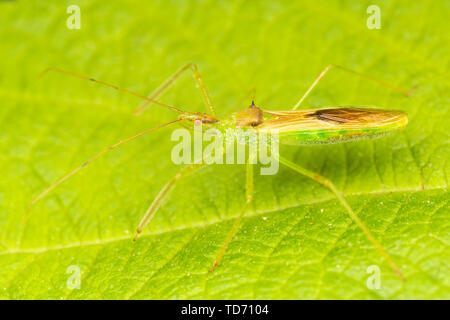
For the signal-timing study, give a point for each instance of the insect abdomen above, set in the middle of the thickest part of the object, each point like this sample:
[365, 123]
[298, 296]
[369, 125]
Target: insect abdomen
[327, 137]
[336, 136]
[325, 126]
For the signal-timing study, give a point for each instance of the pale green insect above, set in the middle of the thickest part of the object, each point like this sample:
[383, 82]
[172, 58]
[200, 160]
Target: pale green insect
[295, 127]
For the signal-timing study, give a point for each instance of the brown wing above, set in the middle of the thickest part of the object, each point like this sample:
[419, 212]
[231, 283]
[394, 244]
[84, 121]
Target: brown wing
[331, 118]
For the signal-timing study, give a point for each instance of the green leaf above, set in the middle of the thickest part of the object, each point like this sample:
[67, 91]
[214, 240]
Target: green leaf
[296, 241]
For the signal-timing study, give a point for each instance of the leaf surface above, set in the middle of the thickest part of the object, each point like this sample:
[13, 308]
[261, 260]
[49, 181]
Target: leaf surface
[296, 241]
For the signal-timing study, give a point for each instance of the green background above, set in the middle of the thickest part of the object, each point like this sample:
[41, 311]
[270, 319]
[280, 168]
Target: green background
[296, 241]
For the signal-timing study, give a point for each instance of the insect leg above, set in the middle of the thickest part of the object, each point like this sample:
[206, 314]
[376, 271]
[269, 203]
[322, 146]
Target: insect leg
[171, 80]
[98, 155]
[165, 191]
[248, 200]
[327, 68]
[327, 183]
[73, 74]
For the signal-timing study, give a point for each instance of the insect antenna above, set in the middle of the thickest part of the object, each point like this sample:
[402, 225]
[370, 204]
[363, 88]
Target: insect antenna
[67, 176]
[114, 87]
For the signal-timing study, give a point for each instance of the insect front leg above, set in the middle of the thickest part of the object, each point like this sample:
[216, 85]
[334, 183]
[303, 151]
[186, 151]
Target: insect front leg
[171, 80]
[330, 185]
[98, 155]
[163, 194]
[248, 200]
[330, 66]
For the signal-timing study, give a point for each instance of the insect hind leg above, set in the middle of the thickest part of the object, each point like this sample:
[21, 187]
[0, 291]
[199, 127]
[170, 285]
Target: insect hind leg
[330, 185]
[368, 77]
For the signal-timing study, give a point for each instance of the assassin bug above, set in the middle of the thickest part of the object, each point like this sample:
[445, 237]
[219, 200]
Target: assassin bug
[296, 127]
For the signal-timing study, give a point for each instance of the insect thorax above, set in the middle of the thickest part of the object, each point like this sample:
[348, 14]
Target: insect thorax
[250, 117]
